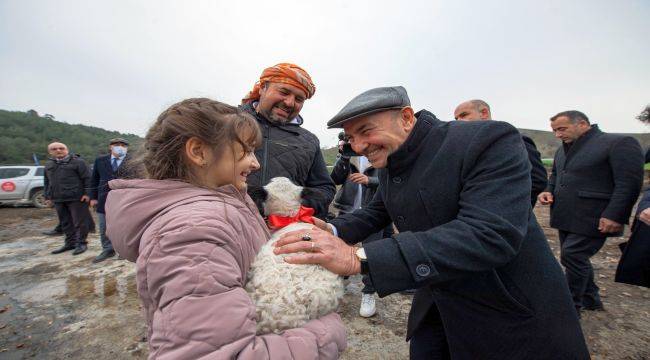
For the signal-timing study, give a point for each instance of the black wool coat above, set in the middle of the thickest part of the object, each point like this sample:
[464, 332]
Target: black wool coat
[459, 194]
[293, 152]
[634, 266]
[538, 174]
[599, 175]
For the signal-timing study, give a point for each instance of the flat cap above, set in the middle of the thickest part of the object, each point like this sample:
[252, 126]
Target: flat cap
[119, 140]
[370, 102]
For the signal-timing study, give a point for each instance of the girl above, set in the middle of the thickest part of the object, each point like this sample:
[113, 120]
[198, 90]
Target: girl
[193, 232]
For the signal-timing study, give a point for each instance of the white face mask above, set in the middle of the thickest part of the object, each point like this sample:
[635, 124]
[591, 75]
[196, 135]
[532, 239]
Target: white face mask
[119, 150]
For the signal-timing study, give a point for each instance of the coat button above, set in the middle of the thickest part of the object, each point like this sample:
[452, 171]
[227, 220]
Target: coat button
[423, 270]
[397, 179]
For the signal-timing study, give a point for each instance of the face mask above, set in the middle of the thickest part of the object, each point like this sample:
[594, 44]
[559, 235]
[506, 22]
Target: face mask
[119, 150]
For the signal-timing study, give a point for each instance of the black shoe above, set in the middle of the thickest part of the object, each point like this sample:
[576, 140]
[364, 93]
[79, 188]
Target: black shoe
[63, 248]
[52, 233]
[596, 307]
[80, 249]
[105, 254]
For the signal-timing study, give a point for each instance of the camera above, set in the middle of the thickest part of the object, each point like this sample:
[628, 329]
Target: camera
[346, 150]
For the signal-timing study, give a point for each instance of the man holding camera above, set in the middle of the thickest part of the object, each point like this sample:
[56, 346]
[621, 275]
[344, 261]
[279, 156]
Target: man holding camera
[359, 182]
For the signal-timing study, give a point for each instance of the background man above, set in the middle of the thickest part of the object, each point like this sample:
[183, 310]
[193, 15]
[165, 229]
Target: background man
[458, 193]
[67, 182]
[595, 181]
[359, 182]
[288, 149]
[473, 110]
[106, 168]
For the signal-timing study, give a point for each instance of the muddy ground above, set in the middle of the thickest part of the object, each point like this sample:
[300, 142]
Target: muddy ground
[62, 306]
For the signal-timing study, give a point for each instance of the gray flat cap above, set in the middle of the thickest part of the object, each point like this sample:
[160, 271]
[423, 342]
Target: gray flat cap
[118, 140]
[370, 102]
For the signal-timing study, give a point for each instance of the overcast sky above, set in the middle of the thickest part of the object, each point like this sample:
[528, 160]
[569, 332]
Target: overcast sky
[118, 64]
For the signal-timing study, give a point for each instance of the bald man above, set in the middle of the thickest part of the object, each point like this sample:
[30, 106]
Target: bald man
[67, 183]
[475, 110]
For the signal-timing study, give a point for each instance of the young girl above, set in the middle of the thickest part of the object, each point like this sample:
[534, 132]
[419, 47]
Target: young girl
[193, 232]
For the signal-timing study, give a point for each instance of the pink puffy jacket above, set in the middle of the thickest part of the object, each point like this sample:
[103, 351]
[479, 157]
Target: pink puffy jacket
[193, 248]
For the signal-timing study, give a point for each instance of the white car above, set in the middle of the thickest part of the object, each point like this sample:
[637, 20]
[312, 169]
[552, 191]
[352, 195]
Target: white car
[22, 185]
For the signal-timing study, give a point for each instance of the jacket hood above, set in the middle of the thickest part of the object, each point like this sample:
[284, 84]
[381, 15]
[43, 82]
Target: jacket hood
[132, 206]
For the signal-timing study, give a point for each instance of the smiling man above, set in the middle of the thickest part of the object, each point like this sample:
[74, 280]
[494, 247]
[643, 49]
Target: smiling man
[287, 148]
[488, 284]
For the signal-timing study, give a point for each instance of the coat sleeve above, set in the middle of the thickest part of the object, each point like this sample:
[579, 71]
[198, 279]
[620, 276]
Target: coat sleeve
[644, 203]
[46, 185]
[626, 161]
[341, 170]
[538, 174]
[356, 226]
[94, 180]
[551, 180]
[203, 311]
[320, 181]
[491, 224]
[84, 175]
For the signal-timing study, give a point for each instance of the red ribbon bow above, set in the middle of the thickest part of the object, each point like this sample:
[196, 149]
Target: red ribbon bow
[305, 214]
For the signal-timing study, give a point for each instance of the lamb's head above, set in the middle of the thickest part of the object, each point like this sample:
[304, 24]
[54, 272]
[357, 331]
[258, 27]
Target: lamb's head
[283, 197]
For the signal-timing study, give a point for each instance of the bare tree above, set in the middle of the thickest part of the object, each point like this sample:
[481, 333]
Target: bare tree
[644, 116]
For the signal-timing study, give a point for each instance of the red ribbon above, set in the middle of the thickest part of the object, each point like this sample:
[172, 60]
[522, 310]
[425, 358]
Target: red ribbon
[305, 214]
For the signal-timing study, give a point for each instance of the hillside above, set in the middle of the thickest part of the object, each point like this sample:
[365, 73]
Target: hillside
[546, 143]
[27, 133]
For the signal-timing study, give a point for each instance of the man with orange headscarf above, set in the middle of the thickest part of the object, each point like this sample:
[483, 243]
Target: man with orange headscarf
[287, 148]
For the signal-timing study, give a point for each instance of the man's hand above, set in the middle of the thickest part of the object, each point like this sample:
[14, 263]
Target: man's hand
[321, 224]
[645, 216]
[607, 226]
[85, 198]
[49, 203]
[324, 249]
[93, 203]
[545, 198]
[358, 178]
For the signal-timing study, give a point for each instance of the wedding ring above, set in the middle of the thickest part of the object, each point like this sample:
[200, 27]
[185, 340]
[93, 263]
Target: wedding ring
[306, 237]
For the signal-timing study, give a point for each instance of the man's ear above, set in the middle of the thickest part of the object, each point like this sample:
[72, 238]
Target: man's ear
[312, 195]
[259, 196]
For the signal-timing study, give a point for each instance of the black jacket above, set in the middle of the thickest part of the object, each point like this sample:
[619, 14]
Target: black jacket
[459, 194]
[101, 175]
[599, 175]
[538, 174]
[66, 180]
[634, 266]
[344, 198]
[293, 152]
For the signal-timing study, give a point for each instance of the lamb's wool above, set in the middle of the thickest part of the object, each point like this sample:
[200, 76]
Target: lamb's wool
[287, 296]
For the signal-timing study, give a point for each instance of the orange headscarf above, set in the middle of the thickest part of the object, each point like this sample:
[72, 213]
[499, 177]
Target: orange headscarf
[283, 73]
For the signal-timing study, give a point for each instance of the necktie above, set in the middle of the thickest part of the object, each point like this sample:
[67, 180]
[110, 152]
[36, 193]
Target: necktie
[114, 164]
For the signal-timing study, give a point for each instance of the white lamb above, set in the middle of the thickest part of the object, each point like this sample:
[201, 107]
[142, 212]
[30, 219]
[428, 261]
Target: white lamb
[287, 296]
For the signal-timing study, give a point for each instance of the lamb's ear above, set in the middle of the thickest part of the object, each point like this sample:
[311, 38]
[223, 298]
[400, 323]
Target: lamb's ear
[312, 195]
[259, 196]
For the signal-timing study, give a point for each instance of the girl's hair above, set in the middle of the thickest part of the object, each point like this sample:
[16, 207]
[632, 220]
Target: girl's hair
[214, 123]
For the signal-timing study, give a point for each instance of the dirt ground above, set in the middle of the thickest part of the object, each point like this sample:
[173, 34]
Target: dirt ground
[63, 306]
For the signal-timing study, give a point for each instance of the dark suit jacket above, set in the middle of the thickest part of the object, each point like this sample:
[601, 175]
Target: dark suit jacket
[599, 175]
[538, 174]
[102, 174]
[634, 266]
[459, 194]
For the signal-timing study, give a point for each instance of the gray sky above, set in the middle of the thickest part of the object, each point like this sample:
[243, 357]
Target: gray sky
[118, 64]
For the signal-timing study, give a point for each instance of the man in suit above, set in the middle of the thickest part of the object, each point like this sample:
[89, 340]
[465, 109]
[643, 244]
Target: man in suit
[458, 192]
[595, 181]
[475, 110]
[107, 168]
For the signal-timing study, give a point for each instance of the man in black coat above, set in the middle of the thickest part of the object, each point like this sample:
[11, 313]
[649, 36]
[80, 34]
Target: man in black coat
[287, 148]
[458, 192]
[595, 181]
[67, 183]
[475, 110]
[107, 168]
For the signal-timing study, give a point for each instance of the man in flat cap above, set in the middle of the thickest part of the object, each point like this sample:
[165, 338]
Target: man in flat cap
[107, 168]
[478, 110]
[458, 192]
[287, 148]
